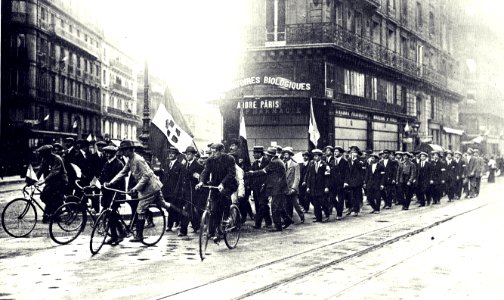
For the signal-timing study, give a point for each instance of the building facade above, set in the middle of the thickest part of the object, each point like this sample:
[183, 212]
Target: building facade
[119, 95]
[380, 74]
[50, 75]
[482, 111]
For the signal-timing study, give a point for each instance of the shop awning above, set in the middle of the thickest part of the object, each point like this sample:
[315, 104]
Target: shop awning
[453, 131]
[426, 147]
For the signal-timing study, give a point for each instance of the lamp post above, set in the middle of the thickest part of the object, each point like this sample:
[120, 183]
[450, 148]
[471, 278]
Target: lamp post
[144, 137]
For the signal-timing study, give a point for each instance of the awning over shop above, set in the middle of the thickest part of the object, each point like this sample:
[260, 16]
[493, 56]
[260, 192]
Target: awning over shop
[429, 147]
[453, 131]
[53, 133]
[476, 140]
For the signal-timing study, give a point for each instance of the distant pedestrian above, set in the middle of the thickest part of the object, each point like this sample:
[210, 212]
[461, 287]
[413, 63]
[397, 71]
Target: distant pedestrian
[492, 166]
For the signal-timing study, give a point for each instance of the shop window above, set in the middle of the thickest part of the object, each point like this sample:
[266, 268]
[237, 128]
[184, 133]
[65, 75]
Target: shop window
[275, 20]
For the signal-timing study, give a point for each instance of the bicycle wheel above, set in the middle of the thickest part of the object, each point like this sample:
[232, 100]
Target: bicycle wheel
[19, 217]
[232, 227]
[155, 226]
[100, 232]
[67, 222]
[204, 233]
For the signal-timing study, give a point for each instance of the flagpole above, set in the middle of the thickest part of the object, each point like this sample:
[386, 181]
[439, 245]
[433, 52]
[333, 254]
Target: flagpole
[144, 137]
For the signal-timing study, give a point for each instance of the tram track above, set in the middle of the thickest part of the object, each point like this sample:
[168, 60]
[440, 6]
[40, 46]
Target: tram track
[287, 269]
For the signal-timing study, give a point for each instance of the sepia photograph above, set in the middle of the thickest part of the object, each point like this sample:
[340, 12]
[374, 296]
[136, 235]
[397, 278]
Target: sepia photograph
[251, 149]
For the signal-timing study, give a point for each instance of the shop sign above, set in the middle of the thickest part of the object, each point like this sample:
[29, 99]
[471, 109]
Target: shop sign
[384, 119]
[281, 82]
[259, 104]
[269, 106]
[351, 114]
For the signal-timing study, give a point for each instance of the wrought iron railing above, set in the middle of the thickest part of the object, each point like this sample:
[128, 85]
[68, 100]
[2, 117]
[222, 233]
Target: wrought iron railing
[122, 89]
[322, 33]
[66, 99]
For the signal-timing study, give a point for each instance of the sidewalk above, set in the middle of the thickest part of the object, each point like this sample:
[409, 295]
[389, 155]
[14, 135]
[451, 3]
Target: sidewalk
[10, 183]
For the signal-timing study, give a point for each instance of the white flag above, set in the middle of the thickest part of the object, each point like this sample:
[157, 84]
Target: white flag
[313, 129]
[95, 182]
[46, 118]
[31, 176]
[77, 170]
[165, 122]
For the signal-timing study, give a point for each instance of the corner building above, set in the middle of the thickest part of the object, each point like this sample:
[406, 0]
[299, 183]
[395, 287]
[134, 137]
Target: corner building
[380, 74]
[50, 76]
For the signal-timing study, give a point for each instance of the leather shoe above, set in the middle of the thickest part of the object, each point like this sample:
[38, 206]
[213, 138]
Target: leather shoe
[168, 229]
[302, 219]
[182, 234]
[275, 229]
[256, 227]
[287, 223]
[317, 221]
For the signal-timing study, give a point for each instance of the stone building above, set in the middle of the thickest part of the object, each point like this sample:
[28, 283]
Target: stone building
[372, 69]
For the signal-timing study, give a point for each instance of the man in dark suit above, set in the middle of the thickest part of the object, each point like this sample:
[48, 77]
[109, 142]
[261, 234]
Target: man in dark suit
[193, 201]
[304, 200]
[111, 168]
[317, 185]
[459, 174]
[338, 175]
[390, 178]
[374, 182]
[329, 156]
[355, 180]
[438, 170]
[407, 179]
[451, 175]
[257, 185]
[276, 187]
[172, 184]
[423, 179]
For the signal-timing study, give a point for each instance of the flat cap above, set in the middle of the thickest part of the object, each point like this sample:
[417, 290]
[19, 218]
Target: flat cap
[110, 148]
[45, 148]
[217, 146]
[57, 146]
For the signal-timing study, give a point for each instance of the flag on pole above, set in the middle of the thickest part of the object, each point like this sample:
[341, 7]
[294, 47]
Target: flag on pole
[89, 138]
[31, 176]
[244, 144]
[74, 124]
[46, 117]
[312, 128]
[166, 132]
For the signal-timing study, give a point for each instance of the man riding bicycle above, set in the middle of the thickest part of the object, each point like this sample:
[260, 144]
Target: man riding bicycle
[219, 171]
[148, 185]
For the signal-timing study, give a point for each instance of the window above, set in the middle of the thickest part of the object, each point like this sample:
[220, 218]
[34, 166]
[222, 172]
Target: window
[43, 13]
[104, 77]
[358, 23]
[330, 80]
[62, 23]
[19, 7]
[432, 24]
[275, 20]
[85, 37]
[391, 39]
[419, 58]
[390, 92]
[70, 28]
[338, 14]
[354, 83]
[391, 5]
[375, 32]
[399, 95]
[404, 11]
[419, 20]
[78, 33]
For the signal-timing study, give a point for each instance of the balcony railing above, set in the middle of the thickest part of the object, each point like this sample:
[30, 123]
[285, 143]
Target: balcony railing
[122, 89]
[119, 113]
[300, 34]
[121, 67]
[76, 102]
[365, 102]
[53, 28]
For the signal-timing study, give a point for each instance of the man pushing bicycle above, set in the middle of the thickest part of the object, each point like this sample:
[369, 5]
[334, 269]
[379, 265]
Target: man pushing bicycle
[148, 185]
[219, 171]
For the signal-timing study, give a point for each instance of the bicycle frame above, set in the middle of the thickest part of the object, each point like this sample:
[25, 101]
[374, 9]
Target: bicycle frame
[29, 195]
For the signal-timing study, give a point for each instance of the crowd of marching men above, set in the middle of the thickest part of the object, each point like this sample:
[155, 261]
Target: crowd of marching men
[277, 184]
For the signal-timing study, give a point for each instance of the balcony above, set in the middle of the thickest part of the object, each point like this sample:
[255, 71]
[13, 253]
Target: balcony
[62, 33]
[123, 90]
[121, 67]
[115, 112]
[372, 3]
[76, 102]
[369, 103]
[327, 33]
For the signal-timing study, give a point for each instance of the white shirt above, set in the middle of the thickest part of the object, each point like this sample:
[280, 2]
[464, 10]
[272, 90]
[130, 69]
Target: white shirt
[373, 168]
[385, 162]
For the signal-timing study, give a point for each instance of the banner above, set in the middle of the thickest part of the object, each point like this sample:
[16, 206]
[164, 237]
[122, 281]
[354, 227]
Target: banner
[244, 144]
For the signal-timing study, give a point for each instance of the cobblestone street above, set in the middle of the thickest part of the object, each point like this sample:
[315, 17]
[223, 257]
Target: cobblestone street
[397, 254]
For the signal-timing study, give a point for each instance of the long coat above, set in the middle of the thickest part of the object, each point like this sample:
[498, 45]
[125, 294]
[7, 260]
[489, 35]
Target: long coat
[390, 170]
[189, 181]
[438, 171]
[220, 170]
[356, 173]
[374, 180]
[256, 182]
[424, 175]
[172, 180]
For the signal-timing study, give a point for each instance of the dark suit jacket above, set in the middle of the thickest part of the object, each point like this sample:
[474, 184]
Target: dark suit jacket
[451, 170]
[276, 180]
[189, 182]
[356, 173]
[339, 173]
[376, 179]
[438, 171]
[223, 171]
[460, 168]
[257, 181]
[390, 170]
[172, 180]
[316, 180]
[471, 167]
[424, 175]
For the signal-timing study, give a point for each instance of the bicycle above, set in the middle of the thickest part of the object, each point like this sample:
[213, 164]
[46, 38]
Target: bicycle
[229, 228]
[19, 216]
[153, 231]
[70, 219]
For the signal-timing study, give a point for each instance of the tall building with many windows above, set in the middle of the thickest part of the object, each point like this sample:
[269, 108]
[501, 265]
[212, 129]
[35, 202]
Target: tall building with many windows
[381, 74]
[119, 96]
[50, 75]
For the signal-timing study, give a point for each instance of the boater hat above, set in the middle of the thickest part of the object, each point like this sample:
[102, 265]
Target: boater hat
[272, 151]
[45, 148]
[317, 152]
[288, 150]
[340, 149]
[258, 149]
